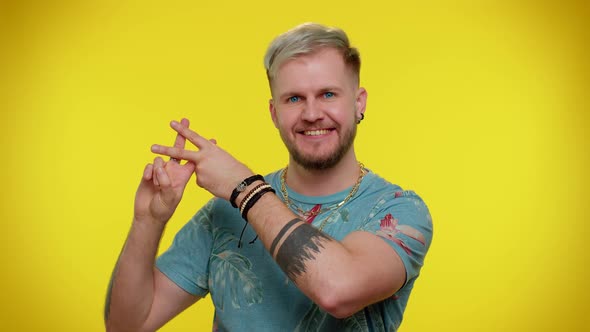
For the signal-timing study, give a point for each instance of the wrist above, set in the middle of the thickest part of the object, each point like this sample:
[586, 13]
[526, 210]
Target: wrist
[247, 190]
[148, 223]
[253, 196]
[242, 187]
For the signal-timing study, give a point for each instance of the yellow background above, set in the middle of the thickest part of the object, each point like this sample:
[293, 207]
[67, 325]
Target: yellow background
[479, 106]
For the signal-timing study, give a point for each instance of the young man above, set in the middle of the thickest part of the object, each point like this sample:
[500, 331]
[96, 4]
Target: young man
[328, 244]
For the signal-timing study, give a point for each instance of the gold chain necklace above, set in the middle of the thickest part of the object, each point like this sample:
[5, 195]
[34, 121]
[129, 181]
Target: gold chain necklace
[334, 208]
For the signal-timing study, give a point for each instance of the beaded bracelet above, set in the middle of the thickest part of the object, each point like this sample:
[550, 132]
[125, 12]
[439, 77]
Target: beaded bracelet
[249, 195]
[252, 193]
[252, 198]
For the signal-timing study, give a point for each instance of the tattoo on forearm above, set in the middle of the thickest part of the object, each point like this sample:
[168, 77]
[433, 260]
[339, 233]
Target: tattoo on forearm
[299, 247]
[281, 234]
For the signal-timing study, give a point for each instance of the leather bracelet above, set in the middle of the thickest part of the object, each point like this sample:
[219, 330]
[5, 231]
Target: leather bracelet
[254, 198]
[242, 186]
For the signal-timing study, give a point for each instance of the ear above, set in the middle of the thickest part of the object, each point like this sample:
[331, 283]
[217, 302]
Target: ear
[361, 100]
[273, 112]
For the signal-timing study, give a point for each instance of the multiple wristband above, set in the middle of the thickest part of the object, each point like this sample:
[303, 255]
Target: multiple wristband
[252, 197]
[242, 186]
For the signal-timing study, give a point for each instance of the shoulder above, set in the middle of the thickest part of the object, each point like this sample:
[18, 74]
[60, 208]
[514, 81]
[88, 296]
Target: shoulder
[389, 193]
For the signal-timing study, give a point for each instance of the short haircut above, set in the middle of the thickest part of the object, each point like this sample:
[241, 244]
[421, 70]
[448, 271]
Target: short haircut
[308, 38]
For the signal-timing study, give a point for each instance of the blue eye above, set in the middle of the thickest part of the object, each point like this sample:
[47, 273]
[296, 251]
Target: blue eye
[293, 99]
[328, 94]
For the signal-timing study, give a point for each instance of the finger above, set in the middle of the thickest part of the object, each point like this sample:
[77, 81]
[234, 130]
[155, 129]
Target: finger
[197, 140]
[180, 140]
[158, 164]
[146, 177]
[177, 153]
[166, 191]
[163, 178]
[148, 172]
[190, 166]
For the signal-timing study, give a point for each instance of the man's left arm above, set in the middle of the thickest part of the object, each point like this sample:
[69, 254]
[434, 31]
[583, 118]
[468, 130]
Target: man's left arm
[342, 277]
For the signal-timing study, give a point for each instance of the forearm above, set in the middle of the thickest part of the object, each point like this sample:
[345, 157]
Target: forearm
[321, 267]
[130, 298]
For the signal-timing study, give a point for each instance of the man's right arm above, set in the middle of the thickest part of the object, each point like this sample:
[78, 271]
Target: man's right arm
[140, 297]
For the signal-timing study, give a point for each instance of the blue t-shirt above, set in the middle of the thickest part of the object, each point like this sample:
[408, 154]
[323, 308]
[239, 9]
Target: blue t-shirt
[249, 290]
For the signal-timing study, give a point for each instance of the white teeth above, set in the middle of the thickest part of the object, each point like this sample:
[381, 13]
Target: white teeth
[316, 132]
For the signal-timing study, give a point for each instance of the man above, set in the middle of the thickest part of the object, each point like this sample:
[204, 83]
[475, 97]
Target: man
[326, 244]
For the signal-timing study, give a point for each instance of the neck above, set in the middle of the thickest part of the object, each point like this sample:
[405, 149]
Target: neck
[323, 182]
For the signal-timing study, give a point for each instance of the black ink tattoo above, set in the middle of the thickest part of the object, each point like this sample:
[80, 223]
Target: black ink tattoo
[300, 246]
[281, 234]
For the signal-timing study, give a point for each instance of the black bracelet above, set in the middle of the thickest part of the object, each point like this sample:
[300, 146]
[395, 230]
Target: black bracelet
[242, 186]
[249, 195]
[255, 199]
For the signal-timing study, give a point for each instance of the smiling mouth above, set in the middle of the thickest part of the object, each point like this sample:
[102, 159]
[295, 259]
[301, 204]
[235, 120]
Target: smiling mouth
[316, 132]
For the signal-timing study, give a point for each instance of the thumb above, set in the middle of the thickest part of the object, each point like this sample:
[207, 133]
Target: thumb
[190, 166]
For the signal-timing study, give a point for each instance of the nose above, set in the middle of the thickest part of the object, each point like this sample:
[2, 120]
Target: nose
[312, 111]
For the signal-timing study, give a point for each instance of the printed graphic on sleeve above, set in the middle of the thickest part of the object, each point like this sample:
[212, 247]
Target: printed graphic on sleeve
[390, 229]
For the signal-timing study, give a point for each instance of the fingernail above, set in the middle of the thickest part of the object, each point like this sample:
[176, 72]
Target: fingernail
[174, 124]
[155, 148]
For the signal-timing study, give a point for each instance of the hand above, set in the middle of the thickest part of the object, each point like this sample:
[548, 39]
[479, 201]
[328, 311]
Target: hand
[162, 186]
[217, 171]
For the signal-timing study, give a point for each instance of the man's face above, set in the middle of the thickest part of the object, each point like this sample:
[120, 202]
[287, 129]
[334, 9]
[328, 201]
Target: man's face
[316, 101]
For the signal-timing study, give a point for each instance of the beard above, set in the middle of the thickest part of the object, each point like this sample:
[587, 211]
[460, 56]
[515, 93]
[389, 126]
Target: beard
[313, 162]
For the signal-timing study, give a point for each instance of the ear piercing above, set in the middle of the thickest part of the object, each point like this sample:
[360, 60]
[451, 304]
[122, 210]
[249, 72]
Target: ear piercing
[361, 118]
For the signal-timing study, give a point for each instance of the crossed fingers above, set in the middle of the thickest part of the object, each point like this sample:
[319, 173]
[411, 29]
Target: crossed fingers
[178, 152]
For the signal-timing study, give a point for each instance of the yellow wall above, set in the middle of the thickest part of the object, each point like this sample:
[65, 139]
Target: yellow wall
[481, 107]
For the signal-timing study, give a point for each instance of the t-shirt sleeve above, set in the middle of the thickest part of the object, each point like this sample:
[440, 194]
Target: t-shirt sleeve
[186, 262]
[404, 221]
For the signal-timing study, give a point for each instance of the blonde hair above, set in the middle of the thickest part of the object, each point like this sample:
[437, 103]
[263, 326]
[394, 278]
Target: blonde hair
[305, 39]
